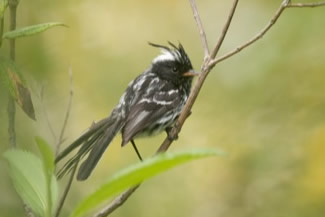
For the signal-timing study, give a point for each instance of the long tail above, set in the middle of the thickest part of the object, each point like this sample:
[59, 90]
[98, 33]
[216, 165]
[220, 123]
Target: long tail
[95, 141]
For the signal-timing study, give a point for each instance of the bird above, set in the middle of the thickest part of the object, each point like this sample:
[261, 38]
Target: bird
[150, 104]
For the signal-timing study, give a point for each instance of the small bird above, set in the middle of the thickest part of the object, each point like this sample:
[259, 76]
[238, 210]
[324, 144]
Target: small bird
[151, 104]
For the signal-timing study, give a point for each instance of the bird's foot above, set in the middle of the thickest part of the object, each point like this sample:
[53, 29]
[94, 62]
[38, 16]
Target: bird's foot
[171, 133]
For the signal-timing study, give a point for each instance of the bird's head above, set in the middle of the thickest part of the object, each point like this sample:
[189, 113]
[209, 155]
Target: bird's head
[173, 64]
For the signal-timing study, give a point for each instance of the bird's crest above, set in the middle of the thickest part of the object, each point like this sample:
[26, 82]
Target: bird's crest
[172, 53]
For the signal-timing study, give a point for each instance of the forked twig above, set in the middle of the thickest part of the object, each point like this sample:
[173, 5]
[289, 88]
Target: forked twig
[67, 115]
[207, 65]
[203, 36]
[224, 30]
[258, 36]
[58, 145]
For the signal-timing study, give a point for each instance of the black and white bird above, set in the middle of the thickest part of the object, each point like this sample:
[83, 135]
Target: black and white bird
[151, 104]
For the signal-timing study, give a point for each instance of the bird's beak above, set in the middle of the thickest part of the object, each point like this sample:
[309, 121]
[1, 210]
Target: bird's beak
[190, 73]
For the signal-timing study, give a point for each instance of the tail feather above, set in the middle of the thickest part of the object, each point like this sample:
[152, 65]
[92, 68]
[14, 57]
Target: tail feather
[85, 148]
[92, 130]
[95, 140]
[98, 148]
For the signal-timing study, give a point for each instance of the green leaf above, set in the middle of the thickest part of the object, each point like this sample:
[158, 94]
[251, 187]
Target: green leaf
[54, 193]
[3, 7]
[48, 167]
[27, 175]
[14, 81]
[30, 30]
[137, 173]
[47, 154]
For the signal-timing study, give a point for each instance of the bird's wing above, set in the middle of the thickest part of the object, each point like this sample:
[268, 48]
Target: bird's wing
[156, 104]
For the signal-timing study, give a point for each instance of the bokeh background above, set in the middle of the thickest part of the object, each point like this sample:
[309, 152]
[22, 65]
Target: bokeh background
[265, 106]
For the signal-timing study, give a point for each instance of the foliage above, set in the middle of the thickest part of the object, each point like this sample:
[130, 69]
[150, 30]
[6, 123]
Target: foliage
[32, 180]
[13, 80]
[137, 173]
[30, 30]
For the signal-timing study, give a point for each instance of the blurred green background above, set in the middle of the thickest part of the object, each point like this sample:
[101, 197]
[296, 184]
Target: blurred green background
[265, 107]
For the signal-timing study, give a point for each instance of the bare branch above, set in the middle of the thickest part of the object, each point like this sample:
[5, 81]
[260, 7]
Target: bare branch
[67, 114]
[255, 38]
[285, 4]
[117, 202]
[205, 69]
[66, 190]
[201, 29]
[41, 97]
[224, 30]
[305, 5]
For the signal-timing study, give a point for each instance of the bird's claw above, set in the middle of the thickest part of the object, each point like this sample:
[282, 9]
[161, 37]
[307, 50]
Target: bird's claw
[170, 134]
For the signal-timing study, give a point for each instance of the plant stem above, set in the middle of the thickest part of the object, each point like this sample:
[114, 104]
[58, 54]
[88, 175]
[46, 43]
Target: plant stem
[66, 191]
[13, 11]
[11, 102]
[1, 29]
[13, 4]
[11, 121]
[207, 65]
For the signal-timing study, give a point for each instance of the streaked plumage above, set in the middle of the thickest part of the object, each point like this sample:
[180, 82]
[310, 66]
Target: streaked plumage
[150, 104]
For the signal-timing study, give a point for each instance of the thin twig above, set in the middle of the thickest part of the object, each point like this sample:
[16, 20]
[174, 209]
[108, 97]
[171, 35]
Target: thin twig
[306, 5]
[67, 115]
[41, 97]
[224, 30]
[205, 69]
[285, 4]
[256, 37]
[117, 202]
[66, 191]
[201, 29]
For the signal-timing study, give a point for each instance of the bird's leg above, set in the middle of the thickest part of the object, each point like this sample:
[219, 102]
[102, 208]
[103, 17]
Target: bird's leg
[169, 134]
[169, 130]
[136, 149]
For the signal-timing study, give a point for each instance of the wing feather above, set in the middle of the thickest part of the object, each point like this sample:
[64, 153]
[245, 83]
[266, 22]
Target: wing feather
[148, 110]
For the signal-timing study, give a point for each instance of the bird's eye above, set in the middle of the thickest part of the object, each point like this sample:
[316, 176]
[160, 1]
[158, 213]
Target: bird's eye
[175, 69]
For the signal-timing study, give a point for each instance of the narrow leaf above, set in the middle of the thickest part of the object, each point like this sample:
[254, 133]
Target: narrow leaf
[13, 80]
[27, 175]
[137, 173]
[54, 193]
[47, 154]
[48, 167]
[30, 30]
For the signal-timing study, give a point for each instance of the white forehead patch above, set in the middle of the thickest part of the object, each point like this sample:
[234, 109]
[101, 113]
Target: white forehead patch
[164, 56]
